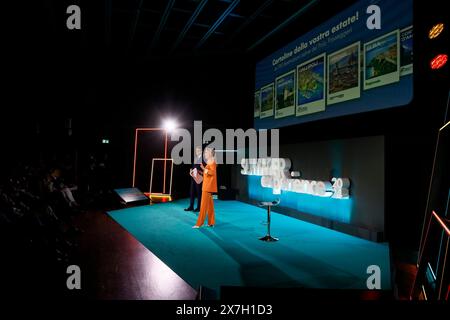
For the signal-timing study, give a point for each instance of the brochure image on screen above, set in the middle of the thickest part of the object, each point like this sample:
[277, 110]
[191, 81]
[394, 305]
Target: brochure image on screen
[406, 51]
[267, 101]
[257, 106]
[344, 74]
[285, 95]
[382, 60]
[311, 86]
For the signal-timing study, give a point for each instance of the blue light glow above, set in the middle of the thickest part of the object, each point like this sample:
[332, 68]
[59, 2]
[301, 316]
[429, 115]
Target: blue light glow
[330, 208]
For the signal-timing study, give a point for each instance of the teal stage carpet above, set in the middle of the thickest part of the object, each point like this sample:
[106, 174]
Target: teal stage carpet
[230, 254]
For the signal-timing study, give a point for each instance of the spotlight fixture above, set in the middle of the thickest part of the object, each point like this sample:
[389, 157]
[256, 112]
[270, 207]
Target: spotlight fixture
[435, 31]
[169, 125]
[438, 61]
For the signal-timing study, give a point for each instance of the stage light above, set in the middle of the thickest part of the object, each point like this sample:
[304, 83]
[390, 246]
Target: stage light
[436, 30]
[169, 125]
[438, 61]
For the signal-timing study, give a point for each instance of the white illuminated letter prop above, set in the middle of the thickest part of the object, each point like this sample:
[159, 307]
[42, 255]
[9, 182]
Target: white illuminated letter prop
[275, 173]
[340, 188]
[245, 167]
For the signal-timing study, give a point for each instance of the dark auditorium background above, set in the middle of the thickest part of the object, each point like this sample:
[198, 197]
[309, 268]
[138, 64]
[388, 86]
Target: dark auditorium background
[65, 92]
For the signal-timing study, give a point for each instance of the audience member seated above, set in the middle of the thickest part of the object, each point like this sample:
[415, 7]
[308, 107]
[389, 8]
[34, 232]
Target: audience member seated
[54, 183]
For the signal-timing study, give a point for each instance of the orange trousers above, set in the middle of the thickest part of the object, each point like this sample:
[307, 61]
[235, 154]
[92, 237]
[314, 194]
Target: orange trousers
[206, 206]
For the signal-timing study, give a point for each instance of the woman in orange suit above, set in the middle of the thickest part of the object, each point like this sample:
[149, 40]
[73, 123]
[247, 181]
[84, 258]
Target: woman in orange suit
[208, 188]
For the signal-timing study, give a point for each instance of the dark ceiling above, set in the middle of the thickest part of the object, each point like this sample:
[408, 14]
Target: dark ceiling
[150, 28]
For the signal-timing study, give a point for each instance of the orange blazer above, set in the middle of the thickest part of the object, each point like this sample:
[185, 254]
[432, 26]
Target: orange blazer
[210, 178]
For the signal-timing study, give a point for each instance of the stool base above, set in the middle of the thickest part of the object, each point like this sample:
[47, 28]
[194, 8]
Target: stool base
[268, 238]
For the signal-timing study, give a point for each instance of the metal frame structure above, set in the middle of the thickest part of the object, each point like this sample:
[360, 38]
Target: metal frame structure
[162, 194]
[441, 218]
[442, 292]
[136, 138]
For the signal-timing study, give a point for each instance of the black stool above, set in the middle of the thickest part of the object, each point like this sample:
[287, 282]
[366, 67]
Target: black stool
[268, 237]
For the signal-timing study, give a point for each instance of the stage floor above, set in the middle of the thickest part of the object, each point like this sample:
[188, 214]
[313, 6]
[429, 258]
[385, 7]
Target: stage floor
[230, 254]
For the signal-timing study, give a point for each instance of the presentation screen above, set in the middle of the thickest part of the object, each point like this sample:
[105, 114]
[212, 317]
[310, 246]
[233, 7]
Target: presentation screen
[358, 61]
